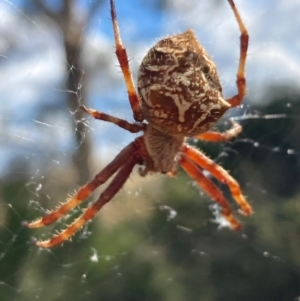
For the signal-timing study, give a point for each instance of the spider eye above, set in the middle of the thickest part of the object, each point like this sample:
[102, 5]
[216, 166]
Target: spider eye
[207, 72]
[211, 77]
[205, 69]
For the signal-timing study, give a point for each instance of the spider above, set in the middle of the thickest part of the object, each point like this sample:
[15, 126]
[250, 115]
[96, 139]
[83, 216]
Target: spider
[179, 95]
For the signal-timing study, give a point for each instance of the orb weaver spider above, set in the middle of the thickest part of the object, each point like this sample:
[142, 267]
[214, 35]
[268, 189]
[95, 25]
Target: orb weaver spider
[179, 95]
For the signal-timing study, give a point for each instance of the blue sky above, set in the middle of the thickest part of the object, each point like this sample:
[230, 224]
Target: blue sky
[33, 74]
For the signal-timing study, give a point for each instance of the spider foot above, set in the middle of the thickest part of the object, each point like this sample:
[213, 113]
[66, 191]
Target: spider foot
[42, 243]
[34, 224]
[24, 224]
[63, 235]
[246, 211]
[131, 127]
[224, 217]
[233, 222]
[85, 109]
[33, 240]
[245, 208]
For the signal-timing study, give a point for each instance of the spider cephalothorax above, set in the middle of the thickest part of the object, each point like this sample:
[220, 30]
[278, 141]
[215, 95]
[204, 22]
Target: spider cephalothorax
[179, 95]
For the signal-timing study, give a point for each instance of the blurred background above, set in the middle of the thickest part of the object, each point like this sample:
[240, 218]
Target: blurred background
[158, 238]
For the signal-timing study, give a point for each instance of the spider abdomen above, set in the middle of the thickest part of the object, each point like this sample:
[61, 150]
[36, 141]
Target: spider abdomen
[179, 87]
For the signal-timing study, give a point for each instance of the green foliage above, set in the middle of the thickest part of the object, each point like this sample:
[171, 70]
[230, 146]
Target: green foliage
[161, 257]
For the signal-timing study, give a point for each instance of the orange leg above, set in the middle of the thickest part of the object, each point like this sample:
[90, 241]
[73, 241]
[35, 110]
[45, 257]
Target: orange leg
[210, 188]
[86, 190]
[219, 137]
[91, 211]
[220, 174]
[244, 40]
[123, 60]
[131, 127]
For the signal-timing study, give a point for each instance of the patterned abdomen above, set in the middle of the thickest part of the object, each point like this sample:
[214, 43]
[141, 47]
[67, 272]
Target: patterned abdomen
[179, 87]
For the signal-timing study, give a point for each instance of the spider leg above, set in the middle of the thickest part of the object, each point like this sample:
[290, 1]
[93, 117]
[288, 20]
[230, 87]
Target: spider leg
[123, 60]
[91, 211]
[131, 127]
[218, 137]
[85, 191]
[220, 174]
[210, 188]
[244, 40]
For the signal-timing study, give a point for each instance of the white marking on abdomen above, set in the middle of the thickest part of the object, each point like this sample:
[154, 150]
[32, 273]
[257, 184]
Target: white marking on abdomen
[182, 107]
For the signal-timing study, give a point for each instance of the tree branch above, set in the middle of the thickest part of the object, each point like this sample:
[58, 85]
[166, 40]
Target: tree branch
[56, 17]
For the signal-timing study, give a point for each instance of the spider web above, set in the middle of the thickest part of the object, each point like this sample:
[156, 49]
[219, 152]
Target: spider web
[159, 238]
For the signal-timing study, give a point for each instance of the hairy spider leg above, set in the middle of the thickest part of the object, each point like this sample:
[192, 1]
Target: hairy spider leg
[240, 78]
[210, 188]
[131, 127]
[219, 137]
[124, 64]
[91, 211]
[85, 191]
[220, 174]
